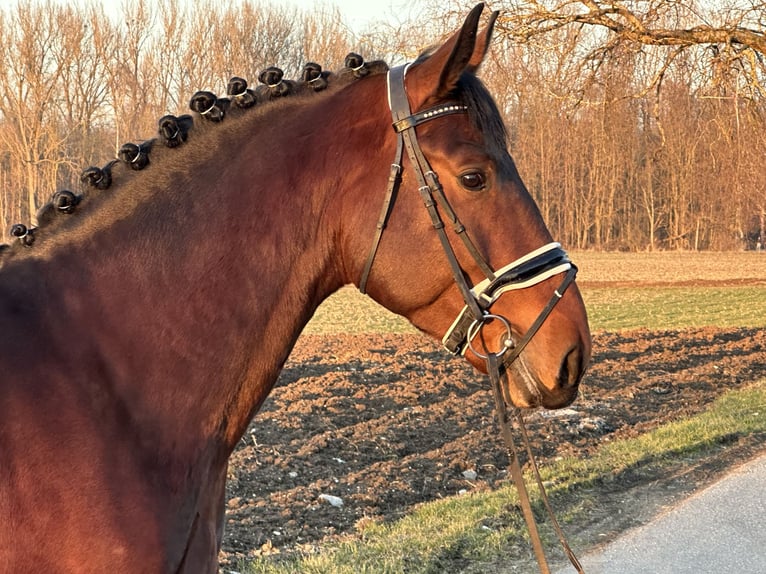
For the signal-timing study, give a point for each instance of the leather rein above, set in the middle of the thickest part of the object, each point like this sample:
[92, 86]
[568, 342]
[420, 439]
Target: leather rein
[529, 270]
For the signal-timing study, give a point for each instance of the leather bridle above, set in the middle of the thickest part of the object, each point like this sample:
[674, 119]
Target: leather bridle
[533, 268]
[529, 270]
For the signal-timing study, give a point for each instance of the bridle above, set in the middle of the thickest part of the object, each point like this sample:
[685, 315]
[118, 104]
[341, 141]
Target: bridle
[531, 269]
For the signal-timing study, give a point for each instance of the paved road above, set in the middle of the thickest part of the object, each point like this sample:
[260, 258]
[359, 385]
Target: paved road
[719, 530]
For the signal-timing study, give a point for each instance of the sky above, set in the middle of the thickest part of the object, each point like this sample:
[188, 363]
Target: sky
[358, 13]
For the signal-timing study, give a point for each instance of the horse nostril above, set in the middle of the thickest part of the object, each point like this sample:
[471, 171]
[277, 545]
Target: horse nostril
[571, 369]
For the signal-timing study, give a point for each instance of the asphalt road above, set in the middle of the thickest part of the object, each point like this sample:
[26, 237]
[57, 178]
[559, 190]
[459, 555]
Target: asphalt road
[718, 530]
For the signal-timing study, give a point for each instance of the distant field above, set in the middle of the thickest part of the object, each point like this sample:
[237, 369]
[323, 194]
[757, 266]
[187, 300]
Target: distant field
[621, 291]
[671, 267]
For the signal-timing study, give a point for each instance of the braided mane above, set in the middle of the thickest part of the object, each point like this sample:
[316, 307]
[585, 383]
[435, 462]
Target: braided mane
[174, 131]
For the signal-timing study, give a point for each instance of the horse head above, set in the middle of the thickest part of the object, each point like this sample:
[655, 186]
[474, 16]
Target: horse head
[465, 255]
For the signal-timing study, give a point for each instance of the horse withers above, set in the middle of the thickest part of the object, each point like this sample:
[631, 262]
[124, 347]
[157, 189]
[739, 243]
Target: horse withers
[140, 334]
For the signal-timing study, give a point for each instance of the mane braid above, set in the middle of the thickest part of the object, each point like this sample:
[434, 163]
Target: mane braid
[174, 131]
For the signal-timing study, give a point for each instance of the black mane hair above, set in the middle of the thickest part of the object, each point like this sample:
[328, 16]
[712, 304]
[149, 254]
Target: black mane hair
[486, 117]
[100, 183]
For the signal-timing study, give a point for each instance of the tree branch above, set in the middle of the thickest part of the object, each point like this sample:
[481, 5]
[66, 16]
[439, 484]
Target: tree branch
[526, 20]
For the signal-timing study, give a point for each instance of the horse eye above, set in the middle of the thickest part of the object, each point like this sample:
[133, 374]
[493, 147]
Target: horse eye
[473, 181]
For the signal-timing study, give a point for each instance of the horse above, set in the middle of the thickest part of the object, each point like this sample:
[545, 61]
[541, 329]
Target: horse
[142, 327]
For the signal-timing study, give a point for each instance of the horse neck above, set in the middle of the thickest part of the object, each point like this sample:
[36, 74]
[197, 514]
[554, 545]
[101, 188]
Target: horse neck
[187, 305]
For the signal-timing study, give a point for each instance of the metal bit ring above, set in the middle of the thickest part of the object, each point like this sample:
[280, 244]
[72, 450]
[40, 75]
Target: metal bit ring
[476, 327]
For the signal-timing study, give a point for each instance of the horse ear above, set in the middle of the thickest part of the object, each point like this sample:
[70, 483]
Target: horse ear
[436, 77]
[482, 43]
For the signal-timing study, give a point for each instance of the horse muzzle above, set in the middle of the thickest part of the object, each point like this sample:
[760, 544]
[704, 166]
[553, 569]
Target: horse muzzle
[554, 386]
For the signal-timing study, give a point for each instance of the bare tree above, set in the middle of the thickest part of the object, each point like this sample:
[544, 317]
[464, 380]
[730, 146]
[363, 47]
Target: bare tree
[636, 125]
[88, 40]
[31, 79]
[735, 30]
[690, 67]
[77, 83]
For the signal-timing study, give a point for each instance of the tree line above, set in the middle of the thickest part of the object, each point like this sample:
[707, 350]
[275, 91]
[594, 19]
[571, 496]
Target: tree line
[635, 126]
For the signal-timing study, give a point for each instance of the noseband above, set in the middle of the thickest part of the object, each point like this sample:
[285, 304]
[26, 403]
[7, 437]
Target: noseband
[529, 270]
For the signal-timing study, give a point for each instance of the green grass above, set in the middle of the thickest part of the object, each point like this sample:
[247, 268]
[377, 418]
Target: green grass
[479, 527]
[609, 308]
[348, 311]
[618, 308]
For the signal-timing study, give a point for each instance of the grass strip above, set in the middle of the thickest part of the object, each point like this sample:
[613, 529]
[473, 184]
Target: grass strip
[620, 308]
[609, 308]
[463, 533]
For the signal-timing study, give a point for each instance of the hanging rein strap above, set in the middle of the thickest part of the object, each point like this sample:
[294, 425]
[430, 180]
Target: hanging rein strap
[495, 370]
[518, 476]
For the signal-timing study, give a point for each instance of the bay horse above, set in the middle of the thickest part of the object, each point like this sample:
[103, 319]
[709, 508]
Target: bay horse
[139, 338]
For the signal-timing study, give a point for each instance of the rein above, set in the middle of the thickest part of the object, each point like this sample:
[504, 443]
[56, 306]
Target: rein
[529, 270]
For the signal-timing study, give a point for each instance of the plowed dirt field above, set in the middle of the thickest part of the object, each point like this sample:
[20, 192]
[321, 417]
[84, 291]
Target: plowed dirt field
[384, 422]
